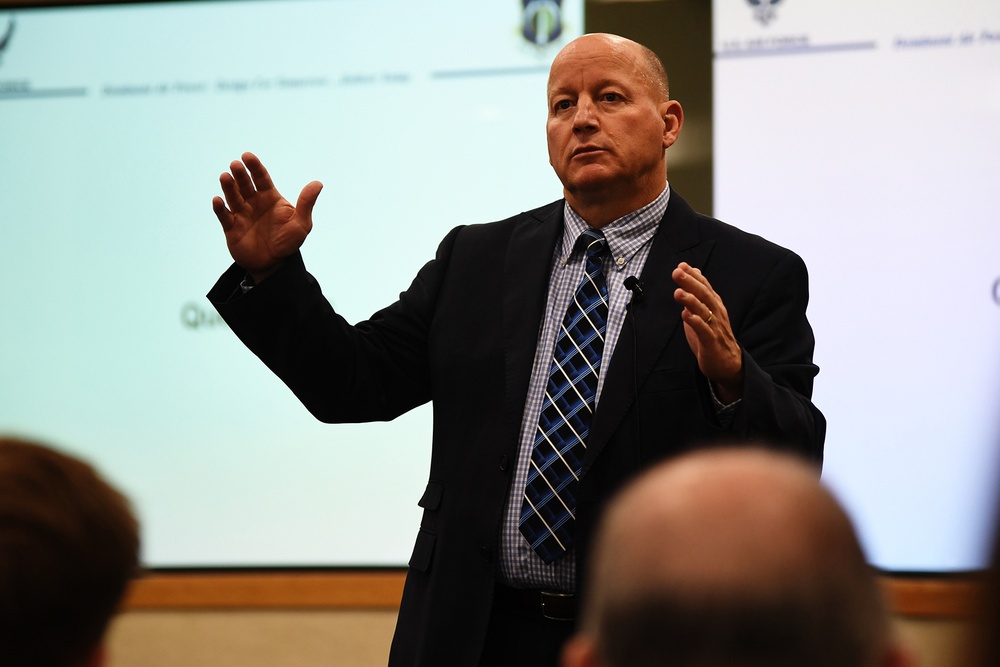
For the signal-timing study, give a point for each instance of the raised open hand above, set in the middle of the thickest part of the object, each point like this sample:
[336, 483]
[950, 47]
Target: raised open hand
[262, 228]
[708, 332]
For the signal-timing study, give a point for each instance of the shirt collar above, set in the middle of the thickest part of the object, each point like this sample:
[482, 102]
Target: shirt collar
[625, 236]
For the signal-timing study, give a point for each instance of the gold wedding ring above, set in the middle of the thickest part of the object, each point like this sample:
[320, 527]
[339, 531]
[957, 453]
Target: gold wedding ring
[710, 316]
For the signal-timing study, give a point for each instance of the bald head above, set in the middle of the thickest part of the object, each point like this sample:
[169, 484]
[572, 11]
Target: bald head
[732, 557]
[709, 518]
[647, 66]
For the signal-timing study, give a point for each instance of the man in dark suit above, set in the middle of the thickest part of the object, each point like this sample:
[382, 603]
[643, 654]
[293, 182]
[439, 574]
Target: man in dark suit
[480, 331]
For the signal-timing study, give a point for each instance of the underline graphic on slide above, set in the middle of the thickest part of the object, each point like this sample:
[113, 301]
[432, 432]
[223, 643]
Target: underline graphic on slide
[498, 71]
[20, 93]
[792, 50]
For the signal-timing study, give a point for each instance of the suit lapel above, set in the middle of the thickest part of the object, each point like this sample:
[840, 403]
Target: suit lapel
[652, 322]
[525, 289]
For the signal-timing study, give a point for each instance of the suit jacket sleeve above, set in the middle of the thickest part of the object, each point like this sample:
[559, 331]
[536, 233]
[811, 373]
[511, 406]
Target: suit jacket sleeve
[777, 343]
[375, 370]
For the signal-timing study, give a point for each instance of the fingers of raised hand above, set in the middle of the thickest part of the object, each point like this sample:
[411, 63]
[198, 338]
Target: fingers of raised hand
[229, 190]
[244, 184]
[692, 280]
[703, 322]
[695, 310]
[257, 171]
[695, 293]
[222, 213]
[307, 199]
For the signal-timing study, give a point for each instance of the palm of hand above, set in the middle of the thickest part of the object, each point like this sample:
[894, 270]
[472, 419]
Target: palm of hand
[265, 230]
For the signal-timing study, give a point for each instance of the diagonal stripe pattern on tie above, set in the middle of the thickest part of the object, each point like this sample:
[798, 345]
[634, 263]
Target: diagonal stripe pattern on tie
[549, 508]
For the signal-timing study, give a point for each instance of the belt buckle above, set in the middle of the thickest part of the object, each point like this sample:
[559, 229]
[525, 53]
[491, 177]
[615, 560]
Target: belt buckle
[558, 606]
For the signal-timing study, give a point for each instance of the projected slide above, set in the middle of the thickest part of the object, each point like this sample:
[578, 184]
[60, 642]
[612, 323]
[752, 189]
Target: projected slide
[115, 122]
[866, 136]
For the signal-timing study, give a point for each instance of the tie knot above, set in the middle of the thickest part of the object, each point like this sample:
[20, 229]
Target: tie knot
[593, 242]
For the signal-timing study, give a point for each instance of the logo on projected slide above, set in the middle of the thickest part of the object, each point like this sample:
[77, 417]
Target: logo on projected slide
[6, 32]
[996, 291]
[541, 22]
[763, 10]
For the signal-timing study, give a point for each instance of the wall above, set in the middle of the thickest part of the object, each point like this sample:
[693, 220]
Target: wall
[287, 638]
[346, 638]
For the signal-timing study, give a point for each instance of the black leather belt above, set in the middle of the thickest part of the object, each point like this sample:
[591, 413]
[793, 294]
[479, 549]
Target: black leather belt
[546, 604]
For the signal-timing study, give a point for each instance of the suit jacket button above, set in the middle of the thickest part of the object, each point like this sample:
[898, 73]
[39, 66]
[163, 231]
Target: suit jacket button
[486, 554]
[504, 461]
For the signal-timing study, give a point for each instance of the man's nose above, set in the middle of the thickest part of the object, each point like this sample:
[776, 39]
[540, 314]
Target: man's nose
[585, 117]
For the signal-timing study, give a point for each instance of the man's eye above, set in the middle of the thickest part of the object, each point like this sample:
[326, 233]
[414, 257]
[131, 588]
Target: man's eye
[562, 105]
[611, 97]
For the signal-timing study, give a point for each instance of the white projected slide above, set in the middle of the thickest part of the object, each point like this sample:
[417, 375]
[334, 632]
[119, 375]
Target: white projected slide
[115, 123]
[866, 136]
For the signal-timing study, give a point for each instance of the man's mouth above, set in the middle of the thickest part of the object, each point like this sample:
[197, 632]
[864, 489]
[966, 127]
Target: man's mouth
[582, 150]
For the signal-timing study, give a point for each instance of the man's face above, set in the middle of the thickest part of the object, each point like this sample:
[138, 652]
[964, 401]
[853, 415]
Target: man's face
[606, 128]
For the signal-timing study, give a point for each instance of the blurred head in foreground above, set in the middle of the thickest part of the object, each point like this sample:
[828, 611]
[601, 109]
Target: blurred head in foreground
[731, 558]
[69, 544]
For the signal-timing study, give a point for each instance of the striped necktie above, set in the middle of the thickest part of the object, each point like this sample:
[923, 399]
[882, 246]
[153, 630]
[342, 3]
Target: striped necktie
[549, 507]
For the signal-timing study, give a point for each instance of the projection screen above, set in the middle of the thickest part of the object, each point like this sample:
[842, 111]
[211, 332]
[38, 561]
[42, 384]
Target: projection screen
[115, 123]
[863, 135]
[866, 136]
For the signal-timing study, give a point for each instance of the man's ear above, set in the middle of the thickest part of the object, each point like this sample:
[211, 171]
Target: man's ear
[673, 118]
[579, 651]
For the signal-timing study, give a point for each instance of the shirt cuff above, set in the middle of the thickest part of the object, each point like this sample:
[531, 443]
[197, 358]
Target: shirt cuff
[723, 412]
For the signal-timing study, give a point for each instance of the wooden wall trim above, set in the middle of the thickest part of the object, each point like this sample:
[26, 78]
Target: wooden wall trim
[957, 597]
[263, 590]
[382, 589]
